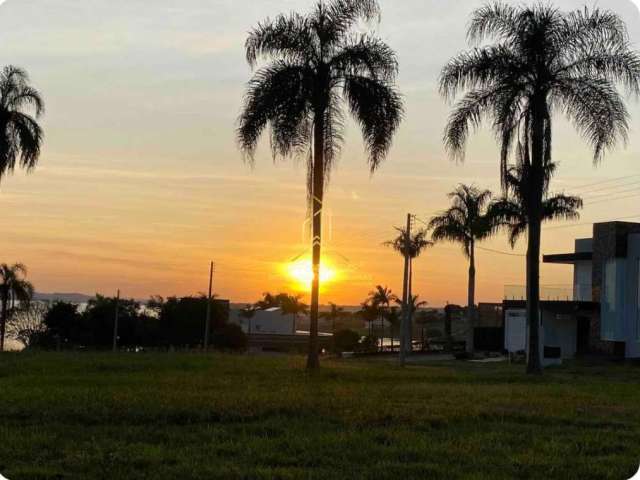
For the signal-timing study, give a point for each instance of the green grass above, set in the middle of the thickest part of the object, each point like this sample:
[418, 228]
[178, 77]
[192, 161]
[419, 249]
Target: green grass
[154, 416]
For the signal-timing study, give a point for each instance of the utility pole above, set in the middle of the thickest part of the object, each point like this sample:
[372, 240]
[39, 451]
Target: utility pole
[115, 324]
[208, 321]
[405, 296]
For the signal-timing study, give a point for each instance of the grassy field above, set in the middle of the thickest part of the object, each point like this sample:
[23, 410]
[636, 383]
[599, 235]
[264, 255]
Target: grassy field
[154, 416]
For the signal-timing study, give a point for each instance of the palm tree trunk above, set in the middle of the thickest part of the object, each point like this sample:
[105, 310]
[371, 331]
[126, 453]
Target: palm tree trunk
[409, 324]
[317, 196]
[471, 298]
[405, 299]
[3, 320]
[534, 211]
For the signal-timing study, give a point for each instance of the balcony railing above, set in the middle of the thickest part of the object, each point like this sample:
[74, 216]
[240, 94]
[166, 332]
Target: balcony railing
[551, 293]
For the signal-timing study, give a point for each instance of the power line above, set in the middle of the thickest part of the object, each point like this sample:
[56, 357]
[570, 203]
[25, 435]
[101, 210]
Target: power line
[500, 252]
[592, 222]
[602, 182]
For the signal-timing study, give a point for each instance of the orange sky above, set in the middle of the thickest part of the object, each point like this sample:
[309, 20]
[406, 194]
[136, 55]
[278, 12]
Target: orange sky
[141, 183]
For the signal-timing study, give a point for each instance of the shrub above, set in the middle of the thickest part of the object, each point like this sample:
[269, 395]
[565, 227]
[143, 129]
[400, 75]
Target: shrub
[230, 337]
[368, 344]
[346, 341]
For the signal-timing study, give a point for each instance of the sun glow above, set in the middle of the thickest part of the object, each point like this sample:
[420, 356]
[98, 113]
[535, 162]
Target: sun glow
[301, 272]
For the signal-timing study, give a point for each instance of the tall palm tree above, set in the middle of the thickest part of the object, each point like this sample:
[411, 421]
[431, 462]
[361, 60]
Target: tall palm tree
[369, 313]
[20, 135]
[410, 246]
[466, 222]
[381, 297]
[510, 212]
[542, 60]
[318, 66]
[13, 287]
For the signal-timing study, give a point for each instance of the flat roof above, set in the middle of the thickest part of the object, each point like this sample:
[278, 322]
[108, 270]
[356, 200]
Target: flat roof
[568, 258]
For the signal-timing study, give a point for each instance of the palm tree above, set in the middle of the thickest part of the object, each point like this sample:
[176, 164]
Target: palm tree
[381, 297]
[13, 287]
[291, 305]
[413, 306]
[466, 222]
[410, 246]
[542, 61]
[20, 135]
[318, 66]
[510, 212]
[369, 313]
[393, 318]
[333, 314]
[248, 313]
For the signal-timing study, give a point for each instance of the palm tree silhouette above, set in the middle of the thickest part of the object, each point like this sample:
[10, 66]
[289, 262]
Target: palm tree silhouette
[542, 60]
[248, 313]
[333, 314]
[292, 305]
[510, 212]
[412, 246]
[20, 135]
[318, 66]
[466, 222]
[13, 287]
[381, 298]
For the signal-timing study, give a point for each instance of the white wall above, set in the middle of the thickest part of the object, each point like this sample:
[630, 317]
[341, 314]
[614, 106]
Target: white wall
[271, 322]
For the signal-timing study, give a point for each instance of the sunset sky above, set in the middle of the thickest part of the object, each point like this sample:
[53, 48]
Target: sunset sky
[141, 182]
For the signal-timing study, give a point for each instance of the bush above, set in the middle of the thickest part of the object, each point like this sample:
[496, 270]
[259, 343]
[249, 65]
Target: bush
[368, 344]
[346, 341]
[230, 337]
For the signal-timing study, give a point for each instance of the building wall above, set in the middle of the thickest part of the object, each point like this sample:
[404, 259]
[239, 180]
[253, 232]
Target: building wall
[632, 295]
[610, 241]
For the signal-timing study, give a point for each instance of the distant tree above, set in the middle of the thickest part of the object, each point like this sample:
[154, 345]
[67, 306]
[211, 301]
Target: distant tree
[345, 341]
[20, 135]
[292, 305]
[369, 313]
[13, 288]
[64, 324]
[248, 313]
[99, 318]
[392, 315]
[318, 65]
[466, 222]
[26, 324]
[230, 337]
[335, 313]
[541, 61]
[381, 298]
[410, 246]
[181, 320]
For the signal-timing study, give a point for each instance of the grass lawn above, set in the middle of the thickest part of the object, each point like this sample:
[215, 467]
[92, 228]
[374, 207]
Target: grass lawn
[174, 416]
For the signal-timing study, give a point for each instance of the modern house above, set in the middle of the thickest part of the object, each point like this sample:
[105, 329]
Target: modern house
[601, 312]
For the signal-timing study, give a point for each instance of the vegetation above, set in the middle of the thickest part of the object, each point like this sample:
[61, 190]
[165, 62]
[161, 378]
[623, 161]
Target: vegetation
[21, 136]
[509, 212]
[15, 291]
[410, 246]
[346, 341]
[140, 416]
[467, 221]
[317, 65]
[543, 61]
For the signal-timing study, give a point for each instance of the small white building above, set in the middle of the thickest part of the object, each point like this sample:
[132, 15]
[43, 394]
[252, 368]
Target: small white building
[265, 322]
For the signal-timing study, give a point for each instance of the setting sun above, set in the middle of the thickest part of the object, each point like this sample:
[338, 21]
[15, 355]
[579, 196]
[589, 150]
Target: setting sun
[302, 273]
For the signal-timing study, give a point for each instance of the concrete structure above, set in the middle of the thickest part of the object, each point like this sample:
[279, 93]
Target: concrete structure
[603, 315]
[266, 322]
